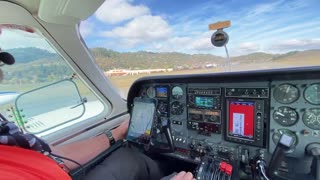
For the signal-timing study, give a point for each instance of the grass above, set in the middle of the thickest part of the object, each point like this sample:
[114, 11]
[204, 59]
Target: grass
[124, 82]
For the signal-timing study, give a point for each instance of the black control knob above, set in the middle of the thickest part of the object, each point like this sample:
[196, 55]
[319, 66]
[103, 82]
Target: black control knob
[191, 146]
[209, 149]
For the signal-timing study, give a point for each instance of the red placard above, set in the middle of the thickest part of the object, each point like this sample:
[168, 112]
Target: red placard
[241, 119]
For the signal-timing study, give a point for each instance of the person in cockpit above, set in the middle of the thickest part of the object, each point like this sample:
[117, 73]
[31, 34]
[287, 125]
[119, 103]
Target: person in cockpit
[22, 157]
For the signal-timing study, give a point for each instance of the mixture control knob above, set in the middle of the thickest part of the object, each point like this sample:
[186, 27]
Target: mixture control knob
[209, 149]
[191, 146]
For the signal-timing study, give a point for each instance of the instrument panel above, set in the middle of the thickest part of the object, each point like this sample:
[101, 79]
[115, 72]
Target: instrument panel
[213, 118]
[237, 115]
[203, 112]
[295, 109]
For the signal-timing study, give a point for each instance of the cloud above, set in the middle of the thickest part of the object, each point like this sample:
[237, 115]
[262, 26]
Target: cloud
[202, 44]
[264, 8]
[297, 44]
[86, 27]
[143, 29]
[183, 44]
[115, 11]
[249, 47]
[10, 39]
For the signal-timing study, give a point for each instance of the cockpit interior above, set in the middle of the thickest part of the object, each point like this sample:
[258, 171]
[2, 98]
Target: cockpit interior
[252, 116]
[244, 125]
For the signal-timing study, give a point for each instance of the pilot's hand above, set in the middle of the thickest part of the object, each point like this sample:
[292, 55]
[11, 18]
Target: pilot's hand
[183, 176]
[121, 131]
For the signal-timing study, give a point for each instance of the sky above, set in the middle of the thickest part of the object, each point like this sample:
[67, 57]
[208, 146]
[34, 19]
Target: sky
[182, 26]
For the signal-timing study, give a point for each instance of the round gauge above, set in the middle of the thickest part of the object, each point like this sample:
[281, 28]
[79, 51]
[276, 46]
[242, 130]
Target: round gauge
[177, 92]
[311, 118]
[286, 93]
[151, 92]
[177, 108]
[277, 135]
[312, 94]
[285, 116]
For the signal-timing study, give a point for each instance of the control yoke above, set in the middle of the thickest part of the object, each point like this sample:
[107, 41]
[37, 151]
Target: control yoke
[167, 132]
[157, 147]
[285, 143]
[313, 149]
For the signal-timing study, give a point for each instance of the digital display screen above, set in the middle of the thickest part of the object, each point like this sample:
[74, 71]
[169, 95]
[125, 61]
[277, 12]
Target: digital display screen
[203, 101]
[162, 92]
[141, 122]
[241, 119]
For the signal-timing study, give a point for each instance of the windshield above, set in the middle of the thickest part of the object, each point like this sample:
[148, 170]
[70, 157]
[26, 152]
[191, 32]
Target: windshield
[131, 39]
[40, 91]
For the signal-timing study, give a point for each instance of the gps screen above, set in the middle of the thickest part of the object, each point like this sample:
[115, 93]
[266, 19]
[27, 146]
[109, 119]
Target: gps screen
[141, 122]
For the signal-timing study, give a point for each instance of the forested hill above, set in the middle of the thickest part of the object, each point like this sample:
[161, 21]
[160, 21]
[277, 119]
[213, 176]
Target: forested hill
[38, 65]
[25, 55]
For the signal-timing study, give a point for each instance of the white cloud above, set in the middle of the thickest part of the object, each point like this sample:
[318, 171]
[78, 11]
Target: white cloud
[143, 29]
[199, 43]
[86, 27]
[10, 39]
[115, 11]
[297, 44]
[202, 44]
[264, 8]
[249, 47]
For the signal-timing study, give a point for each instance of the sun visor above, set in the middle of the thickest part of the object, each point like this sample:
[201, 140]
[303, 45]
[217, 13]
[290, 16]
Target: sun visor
[67, 11]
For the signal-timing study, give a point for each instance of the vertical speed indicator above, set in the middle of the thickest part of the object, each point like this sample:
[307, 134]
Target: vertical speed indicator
[286, 93]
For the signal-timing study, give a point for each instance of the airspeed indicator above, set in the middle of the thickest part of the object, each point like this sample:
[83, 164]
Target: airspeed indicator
[286, 93]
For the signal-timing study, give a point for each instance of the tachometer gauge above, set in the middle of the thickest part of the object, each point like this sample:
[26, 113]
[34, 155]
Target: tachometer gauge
[312, 94]
[285, 116]
[286, 93]
[151, 92]
[177, 108]
[311, 118]
[177, 92]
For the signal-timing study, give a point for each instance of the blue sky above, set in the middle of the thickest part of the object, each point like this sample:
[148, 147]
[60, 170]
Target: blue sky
[182, 25]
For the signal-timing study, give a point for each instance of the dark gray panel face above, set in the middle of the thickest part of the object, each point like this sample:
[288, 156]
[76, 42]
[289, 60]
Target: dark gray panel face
[286, 108]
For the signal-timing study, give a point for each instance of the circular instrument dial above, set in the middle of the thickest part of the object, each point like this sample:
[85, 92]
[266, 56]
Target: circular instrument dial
[151, 92]
[285, 116]
[177, 92]
[177, 108]
[286, 93]
[311, 118]
[312, 94]
[277, 135]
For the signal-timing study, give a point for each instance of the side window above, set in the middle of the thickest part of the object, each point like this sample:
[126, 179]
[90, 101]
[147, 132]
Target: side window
[40, 91]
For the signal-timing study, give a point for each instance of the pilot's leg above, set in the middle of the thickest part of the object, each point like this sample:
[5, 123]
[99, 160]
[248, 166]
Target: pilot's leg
[126, 164]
